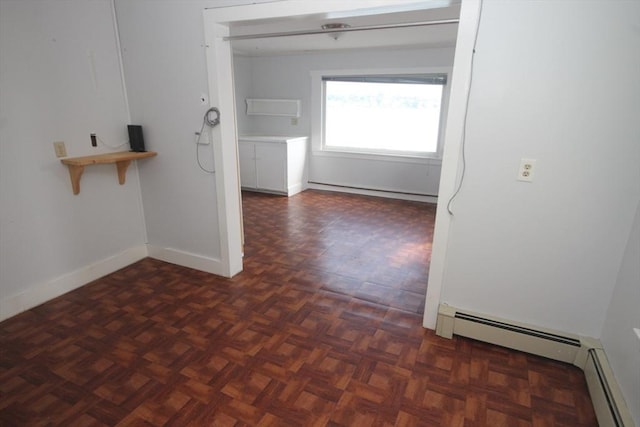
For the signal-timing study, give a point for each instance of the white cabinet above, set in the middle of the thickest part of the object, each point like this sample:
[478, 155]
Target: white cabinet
[276, 164]
[247, 160]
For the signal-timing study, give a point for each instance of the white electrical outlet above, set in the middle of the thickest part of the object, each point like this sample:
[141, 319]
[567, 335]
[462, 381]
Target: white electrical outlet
[60, 149]
[527, 168]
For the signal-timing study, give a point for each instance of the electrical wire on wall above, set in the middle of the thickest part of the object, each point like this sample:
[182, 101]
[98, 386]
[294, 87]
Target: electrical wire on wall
[211, 122]
[466, 112]
[113, 147]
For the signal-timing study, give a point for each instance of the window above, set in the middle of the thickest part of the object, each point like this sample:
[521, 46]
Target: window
[398, 115]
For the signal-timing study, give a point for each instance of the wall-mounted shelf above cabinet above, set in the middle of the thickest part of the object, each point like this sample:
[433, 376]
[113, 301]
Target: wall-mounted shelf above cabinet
[273, 107]
[122, 160]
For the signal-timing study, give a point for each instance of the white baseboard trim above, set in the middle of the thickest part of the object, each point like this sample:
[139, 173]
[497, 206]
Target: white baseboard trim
[43, 292]
[584, 352]
[375, 193]
[294, 189]
[187, 259]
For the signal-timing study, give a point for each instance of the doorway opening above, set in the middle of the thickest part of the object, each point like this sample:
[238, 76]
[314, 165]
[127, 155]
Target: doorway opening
[220, 60]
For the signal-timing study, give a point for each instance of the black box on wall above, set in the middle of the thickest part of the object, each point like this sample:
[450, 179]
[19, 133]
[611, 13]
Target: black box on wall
[135, 138]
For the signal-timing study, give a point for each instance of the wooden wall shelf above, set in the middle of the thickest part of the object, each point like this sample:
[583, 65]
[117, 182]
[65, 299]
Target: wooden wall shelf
[122, 160]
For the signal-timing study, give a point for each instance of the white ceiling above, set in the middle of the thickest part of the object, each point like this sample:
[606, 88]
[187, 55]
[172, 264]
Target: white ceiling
[426, 36]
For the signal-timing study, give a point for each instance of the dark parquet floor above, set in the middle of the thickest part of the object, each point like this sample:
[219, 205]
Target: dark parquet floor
[367, 247]
[285, 343]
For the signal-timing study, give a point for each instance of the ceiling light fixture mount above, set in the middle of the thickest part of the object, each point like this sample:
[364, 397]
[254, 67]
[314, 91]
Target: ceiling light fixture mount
[333, 29]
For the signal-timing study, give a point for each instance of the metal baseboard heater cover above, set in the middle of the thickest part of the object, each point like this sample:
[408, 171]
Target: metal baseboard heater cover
[585, 353]
[606, 396]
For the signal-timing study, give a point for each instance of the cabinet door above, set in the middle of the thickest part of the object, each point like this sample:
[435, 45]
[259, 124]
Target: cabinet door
[271, 166]
[247, 160]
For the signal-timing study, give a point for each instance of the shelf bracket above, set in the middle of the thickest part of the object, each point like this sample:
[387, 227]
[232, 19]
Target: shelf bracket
[75, 172]
[122, 166]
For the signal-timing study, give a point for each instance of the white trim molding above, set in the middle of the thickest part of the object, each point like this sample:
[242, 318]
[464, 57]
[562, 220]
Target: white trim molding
[452, 155]
[225, 148]
[46, 291]
[317, 113]
[43, 292]
[187, 259]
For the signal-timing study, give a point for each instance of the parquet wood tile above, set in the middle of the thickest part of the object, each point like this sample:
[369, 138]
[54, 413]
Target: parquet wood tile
[297, 339]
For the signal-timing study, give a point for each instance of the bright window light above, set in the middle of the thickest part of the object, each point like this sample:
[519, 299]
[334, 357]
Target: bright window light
[388, 116]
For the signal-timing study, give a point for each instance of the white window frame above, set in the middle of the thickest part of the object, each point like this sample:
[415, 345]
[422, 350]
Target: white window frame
[317, 115]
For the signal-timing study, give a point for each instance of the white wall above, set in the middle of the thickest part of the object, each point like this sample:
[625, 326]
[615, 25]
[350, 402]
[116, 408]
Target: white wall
[556, 82]
[620, 342]
[165, 71]
[288, 76]
[50, 240]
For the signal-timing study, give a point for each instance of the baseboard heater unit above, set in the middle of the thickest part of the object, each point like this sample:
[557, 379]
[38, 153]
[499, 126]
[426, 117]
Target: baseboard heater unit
[606, 396]
[351, 187]
[585, 353]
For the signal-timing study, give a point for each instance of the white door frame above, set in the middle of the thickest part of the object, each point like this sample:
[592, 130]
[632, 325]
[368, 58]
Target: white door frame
[452, 155]
[221, 94]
